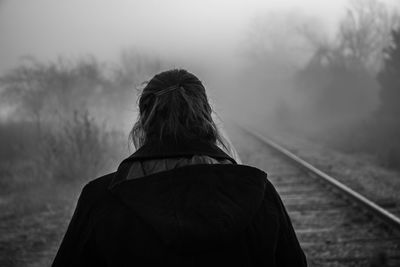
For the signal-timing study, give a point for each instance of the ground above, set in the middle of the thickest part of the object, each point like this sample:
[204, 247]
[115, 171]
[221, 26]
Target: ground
[32, 223]
[361, 172]
[33, 220]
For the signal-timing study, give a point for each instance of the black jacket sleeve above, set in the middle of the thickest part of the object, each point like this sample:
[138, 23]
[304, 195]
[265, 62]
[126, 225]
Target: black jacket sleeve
[288, 251]
[75, 248]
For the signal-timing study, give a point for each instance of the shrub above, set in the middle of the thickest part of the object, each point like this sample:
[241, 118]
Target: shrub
[79, 149]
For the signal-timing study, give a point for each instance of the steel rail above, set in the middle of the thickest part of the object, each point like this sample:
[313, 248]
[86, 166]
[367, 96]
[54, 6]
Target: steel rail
[387, 217]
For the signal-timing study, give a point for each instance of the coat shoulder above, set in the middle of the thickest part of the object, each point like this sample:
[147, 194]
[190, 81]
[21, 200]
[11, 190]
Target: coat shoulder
[101, 183]
[97, 189]
[248, 171]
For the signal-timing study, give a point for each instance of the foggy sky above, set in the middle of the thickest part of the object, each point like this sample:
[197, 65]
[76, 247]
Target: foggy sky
[196, 30]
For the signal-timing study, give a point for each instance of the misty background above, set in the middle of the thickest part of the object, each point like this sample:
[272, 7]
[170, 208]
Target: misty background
[309, 67]
[71, 73]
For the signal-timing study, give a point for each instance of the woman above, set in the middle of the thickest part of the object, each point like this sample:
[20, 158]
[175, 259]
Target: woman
[179, 200]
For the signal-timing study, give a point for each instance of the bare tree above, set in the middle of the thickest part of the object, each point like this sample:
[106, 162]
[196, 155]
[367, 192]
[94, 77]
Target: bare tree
[363, 34]
[342, 69]
[22, 88]
[39, 91]
[389, 79]
[274, 38]
[365, 31]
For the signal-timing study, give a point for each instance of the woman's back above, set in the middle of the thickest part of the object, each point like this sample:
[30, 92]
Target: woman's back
[180, 202]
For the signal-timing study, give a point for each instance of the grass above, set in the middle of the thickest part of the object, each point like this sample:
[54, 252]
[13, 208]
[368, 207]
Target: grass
[41, 176]
[32, 223]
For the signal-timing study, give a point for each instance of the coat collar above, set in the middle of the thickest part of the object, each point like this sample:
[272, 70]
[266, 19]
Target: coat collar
[156, 149]
[170, 149]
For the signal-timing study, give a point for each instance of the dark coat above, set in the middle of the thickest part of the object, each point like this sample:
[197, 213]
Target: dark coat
[196, 215]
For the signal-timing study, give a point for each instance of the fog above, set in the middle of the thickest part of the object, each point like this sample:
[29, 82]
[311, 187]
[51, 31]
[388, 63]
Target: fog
[210, 38]
[193, 29]
[71, 71]
[261, 61]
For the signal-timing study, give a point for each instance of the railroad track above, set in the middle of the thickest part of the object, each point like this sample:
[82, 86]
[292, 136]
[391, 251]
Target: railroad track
[335, 225]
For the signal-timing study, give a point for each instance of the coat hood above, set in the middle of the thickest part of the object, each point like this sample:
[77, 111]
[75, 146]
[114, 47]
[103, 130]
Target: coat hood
[194, 206]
